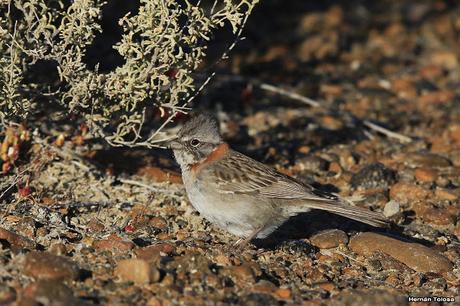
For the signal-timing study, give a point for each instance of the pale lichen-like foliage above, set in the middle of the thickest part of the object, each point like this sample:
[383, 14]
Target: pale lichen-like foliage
[162, 45]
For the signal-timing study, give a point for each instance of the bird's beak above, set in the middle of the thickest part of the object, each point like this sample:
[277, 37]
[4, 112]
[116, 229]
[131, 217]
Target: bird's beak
[173, 144]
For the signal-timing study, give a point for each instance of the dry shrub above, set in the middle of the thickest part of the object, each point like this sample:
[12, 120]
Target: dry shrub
[162, 46]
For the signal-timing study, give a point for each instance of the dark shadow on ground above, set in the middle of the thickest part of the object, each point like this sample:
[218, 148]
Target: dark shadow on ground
[307, 224]
[128, 161]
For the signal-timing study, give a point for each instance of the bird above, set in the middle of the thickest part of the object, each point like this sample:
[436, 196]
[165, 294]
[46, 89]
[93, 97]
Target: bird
[243, 196]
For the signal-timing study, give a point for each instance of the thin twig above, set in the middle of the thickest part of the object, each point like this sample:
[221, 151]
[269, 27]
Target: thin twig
[313, 103]
[149, 187]
[141, 184]
[386, 132]
[16, 179]
[289, 94]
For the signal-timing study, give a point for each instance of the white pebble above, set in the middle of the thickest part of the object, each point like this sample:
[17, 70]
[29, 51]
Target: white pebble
[391, 208]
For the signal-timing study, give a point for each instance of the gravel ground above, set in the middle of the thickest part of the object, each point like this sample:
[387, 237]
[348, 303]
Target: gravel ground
[84, 224]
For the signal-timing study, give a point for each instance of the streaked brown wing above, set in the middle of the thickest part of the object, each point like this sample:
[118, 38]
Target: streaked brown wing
[238, 173]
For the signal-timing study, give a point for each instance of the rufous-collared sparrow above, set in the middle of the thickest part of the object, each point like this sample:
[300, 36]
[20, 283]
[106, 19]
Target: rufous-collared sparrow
[241, 195]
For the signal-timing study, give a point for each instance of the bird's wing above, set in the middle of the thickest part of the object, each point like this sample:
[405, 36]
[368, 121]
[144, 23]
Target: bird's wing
[240, 174]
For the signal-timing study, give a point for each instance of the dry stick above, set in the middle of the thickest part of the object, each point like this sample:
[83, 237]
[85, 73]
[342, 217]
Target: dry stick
[148, 187]
[16, 179]
[388, 133]
[289, 94]
[313, 103]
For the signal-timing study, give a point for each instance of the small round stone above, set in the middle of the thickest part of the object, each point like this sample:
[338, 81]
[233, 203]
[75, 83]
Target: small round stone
[138, 271]
[329, 239]
[391, 208]
[44, 265]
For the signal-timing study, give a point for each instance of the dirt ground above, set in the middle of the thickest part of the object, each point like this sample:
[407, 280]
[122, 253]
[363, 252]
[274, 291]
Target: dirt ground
[86, 224]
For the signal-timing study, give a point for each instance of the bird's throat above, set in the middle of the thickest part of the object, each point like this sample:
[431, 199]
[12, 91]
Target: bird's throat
[216, 154]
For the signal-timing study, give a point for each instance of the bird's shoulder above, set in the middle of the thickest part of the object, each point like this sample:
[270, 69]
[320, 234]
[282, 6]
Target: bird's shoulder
[239, 174]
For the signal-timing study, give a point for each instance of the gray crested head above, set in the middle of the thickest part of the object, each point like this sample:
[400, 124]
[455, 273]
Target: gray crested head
[197, 138]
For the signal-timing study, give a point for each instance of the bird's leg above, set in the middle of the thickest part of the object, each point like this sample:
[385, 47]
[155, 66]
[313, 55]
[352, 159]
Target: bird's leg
[240, 243]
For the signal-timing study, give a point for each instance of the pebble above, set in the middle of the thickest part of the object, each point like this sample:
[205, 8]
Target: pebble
[454, 133]
[391, 264]
[329, 239]
[49, 292]
[439, 144]
[405, 89]
[431, 72]
[377, 196]
[223, 260]
[242, 274]
[159, 223]
[433, 215]
[138, 271]
[41, 232]
[391, 209]
[153, 301]
[44, 265]
[331, 123]
[153, 252]
[26, 227]
[435, 97]
[445, 59]
[283, 293]
[426, 174]
[58, 249]
[113, 243]
[189, 262]
[406, 192]
[274, 53]
[16, 240]
[452, 174]
[415, 12]
[447, 194]
[335, 167]
[375, 175]
[164, 236]
[264, 286]
[331, 90]
[182, 235]
[328, 286]
[318, 47]
[95, 226]
[312, 163]
[419, 159]
[393, 279]
[414, 255]
[314, 275]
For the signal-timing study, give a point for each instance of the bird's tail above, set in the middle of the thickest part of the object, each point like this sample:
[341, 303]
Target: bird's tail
[343, 208]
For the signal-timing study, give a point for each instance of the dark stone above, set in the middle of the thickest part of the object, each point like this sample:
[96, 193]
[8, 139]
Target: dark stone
[313, 163]
[255, 299]
[296, 247]
[375, 175]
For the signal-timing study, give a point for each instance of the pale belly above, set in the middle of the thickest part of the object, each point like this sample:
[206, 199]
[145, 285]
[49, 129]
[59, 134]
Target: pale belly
[239, 215]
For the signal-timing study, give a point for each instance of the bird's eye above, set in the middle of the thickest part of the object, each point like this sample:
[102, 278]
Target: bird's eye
[194, 142]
